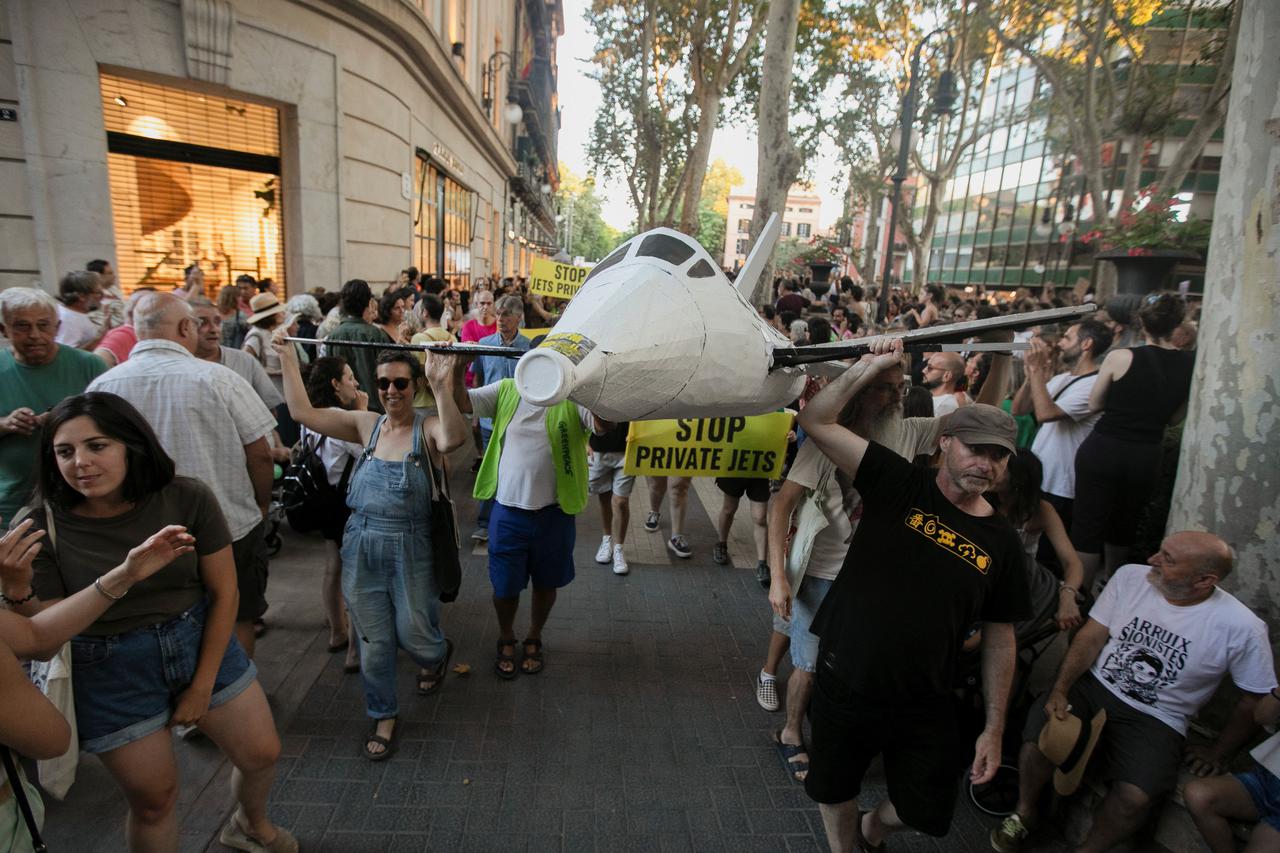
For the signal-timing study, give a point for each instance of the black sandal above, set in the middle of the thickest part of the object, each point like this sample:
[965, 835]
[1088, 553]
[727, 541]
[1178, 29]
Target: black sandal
[535, 656]
[437, 673]
[388, 744]
[506, 657]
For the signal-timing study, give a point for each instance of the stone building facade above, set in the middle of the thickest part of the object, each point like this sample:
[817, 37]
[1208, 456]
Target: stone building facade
[309, 141]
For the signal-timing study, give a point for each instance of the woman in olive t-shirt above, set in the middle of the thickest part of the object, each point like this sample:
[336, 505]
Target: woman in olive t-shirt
[164, 654]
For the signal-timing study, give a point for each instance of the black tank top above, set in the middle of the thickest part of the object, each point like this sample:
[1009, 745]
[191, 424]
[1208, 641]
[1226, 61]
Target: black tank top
[1140, 403]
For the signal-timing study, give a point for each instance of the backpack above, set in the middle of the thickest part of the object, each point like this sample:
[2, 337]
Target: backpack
[306, 495]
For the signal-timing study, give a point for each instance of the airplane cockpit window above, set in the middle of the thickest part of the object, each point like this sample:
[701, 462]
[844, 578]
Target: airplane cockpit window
[618, 254]
[665, 247]
[702, 269]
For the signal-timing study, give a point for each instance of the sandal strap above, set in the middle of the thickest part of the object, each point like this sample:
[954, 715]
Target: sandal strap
[529, 641]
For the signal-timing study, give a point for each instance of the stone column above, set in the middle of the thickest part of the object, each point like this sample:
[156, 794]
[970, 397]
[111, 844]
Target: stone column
[1229, 473]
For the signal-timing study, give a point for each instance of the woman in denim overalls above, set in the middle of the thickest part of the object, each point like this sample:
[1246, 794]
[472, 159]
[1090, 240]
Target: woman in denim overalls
[387, 574]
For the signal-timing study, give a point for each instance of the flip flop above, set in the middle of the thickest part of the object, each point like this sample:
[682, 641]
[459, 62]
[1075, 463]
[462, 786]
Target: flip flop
[441, 669]
[388, 744]
[788, 751]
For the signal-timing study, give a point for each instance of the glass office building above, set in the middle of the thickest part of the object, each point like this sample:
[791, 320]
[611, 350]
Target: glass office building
[1013, 212]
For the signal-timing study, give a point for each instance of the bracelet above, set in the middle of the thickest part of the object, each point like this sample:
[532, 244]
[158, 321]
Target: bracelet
[14, 602]
[97, 584]
[1063, 587]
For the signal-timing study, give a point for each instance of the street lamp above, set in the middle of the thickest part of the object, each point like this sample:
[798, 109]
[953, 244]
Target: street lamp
[944, 97]
[512, 111]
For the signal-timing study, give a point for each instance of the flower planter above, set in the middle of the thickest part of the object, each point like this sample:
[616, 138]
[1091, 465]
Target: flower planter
[820, 282]
[1141, 271]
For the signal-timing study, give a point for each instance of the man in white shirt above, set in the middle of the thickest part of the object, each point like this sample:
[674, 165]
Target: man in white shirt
[942, 373]
[79, 293]
[537, 486]
[1061, 407]
[213, 425]
[1152, 653]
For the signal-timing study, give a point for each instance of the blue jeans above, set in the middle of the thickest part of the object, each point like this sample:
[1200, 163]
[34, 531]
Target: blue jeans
[804, 644]
[486, 506]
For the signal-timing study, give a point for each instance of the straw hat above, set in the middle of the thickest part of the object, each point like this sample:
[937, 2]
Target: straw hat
[264, 305]
[1068, 744]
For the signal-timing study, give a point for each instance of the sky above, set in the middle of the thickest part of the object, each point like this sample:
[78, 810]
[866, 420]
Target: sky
[580, 97]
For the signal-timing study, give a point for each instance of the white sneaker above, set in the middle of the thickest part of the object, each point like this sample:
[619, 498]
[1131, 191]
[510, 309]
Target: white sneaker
[620, 566]
[605, 551]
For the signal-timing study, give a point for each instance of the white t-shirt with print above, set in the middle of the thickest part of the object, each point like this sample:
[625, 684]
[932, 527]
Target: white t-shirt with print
[526, 469]
[1165, 660]
[1057, 441]
[912, 437]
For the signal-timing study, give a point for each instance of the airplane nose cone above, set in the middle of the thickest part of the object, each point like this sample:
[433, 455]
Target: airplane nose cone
[544, 377]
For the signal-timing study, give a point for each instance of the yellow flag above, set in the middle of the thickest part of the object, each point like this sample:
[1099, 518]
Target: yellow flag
[753, 446]
[551, 278]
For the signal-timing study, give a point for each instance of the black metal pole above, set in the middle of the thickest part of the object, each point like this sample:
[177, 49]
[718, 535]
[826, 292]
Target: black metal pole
[900, 175]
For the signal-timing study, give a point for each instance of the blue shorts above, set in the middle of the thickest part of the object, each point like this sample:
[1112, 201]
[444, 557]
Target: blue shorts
[126, 685]
[529, 544]
[1264, 788]
[804, 643]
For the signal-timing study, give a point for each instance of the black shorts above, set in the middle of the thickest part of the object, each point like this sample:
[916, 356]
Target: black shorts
[919, 741]
[250, 555]
[755, 488]
[1134, 747]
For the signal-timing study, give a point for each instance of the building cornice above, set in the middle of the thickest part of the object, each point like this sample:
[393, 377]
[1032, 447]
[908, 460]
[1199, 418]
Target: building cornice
[425, 58]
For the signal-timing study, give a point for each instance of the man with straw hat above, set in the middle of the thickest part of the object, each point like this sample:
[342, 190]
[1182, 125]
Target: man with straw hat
[1152, 653]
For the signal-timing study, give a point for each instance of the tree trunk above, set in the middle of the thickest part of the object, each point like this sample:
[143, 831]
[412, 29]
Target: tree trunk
[1227, 481]
[1136, 143]
[696, 168]
[869, 265]
[777, 160]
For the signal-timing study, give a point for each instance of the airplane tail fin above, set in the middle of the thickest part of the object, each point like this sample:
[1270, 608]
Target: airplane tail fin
[761, 252]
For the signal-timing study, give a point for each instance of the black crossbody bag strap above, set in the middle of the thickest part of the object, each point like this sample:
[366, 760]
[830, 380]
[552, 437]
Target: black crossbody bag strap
[20, 794]
[1074, 380]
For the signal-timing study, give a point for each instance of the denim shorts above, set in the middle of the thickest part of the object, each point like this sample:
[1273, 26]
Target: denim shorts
[1264, 789]
[804, 643]
[126, 685]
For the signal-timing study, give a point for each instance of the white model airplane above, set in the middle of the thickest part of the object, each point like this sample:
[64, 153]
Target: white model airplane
[658, 331]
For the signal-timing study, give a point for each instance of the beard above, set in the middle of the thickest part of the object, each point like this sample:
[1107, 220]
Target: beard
[1069, 358]
[882, 427]
[930, 384]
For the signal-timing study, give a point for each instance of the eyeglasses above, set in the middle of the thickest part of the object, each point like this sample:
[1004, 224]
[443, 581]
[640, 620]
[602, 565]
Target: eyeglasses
[400, 382]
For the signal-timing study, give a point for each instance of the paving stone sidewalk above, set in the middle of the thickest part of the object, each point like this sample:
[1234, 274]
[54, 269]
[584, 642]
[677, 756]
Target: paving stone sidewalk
[642, 734]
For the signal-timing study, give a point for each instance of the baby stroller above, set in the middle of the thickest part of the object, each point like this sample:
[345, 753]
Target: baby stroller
[275, 514]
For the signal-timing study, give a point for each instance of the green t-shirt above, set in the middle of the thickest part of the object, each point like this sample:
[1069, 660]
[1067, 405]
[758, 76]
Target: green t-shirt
[39, 389]
[88, 548]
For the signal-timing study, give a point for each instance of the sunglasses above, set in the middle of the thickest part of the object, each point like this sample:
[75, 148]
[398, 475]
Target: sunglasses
[400, 382]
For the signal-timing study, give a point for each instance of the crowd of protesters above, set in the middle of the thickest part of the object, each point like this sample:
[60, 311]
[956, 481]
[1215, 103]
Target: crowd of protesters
[956, 508]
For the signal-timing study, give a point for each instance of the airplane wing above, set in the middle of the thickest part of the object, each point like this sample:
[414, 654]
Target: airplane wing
[445, 347]
[932, 338]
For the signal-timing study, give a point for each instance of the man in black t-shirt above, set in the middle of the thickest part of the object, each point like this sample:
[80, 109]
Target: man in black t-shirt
[929, 558]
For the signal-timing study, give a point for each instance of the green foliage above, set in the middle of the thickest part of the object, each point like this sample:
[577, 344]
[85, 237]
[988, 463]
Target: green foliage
[582, 226]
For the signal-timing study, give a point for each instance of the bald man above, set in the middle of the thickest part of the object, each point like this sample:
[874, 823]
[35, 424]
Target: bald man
[208, 419]
[1153, 651]
[942, 373]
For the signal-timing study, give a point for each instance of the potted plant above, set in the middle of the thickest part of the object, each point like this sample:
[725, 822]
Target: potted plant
[822, 256]
[1146, 241]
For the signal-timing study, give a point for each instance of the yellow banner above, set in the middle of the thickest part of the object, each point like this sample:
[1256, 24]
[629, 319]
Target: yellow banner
[551, 278]
[533, 333]
[710, 447]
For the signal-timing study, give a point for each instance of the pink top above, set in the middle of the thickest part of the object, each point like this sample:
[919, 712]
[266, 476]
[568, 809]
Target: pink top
[474, 330]
[119, 342]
